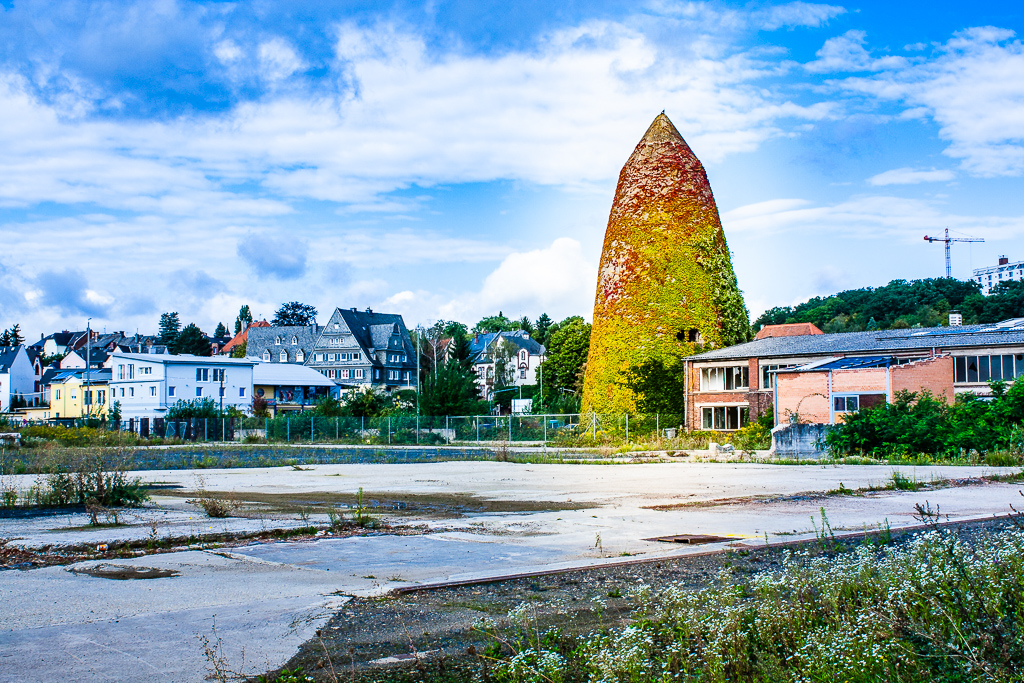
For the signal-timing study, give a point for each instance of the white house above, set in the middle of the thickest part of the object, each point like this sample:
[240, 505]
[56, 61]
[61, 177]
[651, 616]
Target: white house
[528, 355]
[147, 384]
[17, 375]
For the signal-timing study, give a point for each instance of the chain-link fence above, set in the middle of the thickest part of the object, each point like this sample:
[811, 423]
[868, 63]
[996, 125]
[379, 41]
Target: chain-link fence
[306, 427]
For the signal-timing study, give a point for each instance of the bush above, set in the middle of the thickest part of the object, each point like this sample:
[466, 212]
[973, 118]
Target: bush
[78, 478]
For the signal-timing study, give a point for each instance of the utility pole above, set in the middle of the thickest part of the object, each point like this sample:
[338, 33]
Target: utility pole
[947, 240]
[419, 340]
[88, 356]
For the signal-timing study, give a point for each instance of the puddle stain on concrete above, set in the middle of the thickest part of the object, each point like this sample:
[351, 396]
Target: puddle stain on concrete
[121, 572]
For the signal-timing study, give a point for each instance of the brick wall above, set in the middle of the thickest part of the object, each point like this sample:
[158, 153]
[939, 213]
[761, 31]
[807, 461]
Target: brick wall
[933, 374]
[856, 381]
[805, 393]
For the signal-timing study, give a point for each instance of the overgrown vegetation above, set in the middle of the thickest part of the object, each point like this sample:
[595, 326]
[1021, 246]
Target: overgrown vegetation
[939, 608]
[920, 423]
[80, 477]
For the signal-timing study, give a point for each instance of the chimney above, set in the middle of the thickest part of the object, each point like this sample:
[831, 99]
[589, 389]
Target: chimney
[955, 319]
[353, 309]
[369, 310]
[1003, 260]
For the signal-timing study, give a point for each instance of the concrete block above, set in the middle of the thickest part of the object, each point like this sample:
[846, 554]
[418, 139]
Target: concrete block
[799, 440]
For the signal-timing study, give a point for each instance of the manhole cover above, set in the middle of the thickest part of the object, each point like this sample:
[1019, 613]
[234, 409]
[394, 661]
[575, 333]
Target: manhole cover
[692, 539]
[120, 572]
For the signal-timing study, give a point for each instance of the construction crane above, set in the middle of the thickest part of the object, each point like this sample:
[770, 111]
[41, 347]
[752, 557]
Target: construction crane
[947, 239]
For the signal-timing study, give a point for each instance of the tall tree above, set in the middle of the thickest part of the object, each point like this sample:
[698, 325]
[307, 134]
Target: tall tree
[170, 326]
[294, 313]
[450, 390]
[16, 336]
[5, 338]
[526, 325]
[567, 353]
[221, 331]
[544, 323]
[243, 319]
[191, 340]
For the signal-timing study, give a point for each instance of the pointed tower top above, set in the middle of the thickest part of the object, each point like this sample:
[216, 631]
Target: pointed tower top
[661, 130]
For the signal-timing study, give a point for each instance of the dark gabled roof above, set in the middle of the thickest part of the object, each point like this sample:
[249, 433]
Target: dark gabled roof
[60, 338]
[480, 344]
[912, 339]
[261, 339]
[8, 354]
[373, 331]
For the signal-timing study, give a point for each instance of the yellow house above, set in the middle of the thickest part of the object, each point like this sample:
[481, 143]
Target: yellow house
[71, 395]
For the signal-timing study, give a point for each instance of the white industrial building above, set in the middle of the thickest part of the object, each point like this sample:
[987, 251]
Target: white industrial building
[1001, 272]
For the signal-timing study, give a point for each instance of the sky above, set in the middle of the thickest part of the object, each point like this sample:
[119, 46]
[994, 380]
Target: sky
[447, 160]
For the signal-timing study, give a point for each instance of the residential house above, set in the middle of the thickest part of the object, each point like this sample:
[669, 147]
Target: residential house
[526, 356]
[363, 347]
[98, 358]
[72, 394]
[241, 338]
[284, 344]
[59, 343]
[147, 384]
[990, 276]
[288, 387]
[17, 376]
[727, 387]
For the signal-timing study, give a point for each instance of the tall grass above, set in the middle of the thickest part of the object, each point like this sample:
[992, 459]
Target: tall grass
[937, 608]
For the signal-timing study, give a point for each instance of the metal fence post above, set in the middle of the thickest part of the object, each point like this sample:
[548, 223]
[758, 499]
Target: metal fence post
[362, 427]
[266, 429]
[312, 421]
[206, 429]
[389, 429]
[337, 429]
[593, 423]
[478, 429]
[510, 427]
[545, 418]
[627, 429]
[417, 428]
[657, 425]
[288, 428]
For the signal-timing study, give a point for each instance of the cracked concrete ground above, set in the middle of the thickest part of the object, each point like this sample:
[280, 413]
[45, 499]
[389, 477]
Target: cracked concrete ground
[269, 597]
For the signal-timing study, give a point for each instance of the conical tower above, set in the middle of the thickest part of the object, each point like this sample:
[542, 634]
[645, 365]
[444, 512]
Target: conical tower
[666, 286]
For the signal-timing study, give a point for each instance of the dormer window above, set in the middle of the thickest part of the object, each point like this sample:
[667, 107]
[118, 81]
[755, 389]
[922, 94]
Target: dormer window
[284, 357]
[277, 341]
[300, 356]
[295, 340]
[266, 356]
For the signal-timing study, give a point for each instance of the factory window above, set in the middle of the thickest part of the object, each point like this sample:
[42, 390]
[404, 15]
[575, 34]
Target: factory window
[725, 417]
[724, 379]
[1005, 367]
[845, 404]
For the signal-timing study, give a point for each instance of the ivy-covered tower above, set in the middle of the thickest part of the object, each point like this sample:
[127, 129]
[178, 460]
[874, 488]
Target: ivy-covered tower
[666, 287]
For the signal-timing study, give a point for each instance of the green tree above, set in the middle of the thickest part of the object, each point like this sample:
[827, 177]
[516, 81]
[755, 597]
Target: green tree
[114, 414]
[15, 335]
[294, 313]
[5, 338]
[221, 331]
[503, 353]
[495, 323]
[238, 351]
[450, 390]
[526, 325]
[567, 352]
[367, 401]
[544, 323]
[170, 325]
[243, 319]
[191, 340]
[197, 407]
[659, 387]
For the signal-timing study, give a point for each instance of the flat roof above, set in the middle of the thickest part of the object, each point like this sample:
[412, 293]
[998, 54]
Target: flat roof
[288, 374]
[183, 358]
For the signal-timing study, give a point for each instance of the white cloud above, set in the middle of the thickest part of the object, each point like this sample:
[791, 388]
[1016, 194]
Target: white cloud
[973, 88]
[797, 14]
[558, 279]
[278, 60]
[847, 53]
[866, 217]
[909, 176]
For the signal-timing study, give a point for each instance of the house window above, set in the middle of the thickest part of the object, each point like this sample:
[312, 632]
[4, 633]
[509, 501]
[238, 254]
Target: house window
[300, 356]
[266, 356]
[120, 372]
[199, 391]
[222, 390]
[330, 374]
[202, 374]
[131, 371]
[845, 404]
[406, 376]
[241, 392]
[283, 357]
[122, 392]
[295, 340]
[724, 417]
[218, 374]
[724, 379]
[152, 391]
[58, 394]
[170, 391]
[277, 341]
[131, 392]
[344, 374]
[522, 374]
[101, 396]
[359, 373]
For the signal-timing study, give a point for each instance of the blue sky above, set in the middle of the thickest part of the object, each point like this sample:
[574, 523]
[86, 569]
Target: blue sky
[450, 159]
